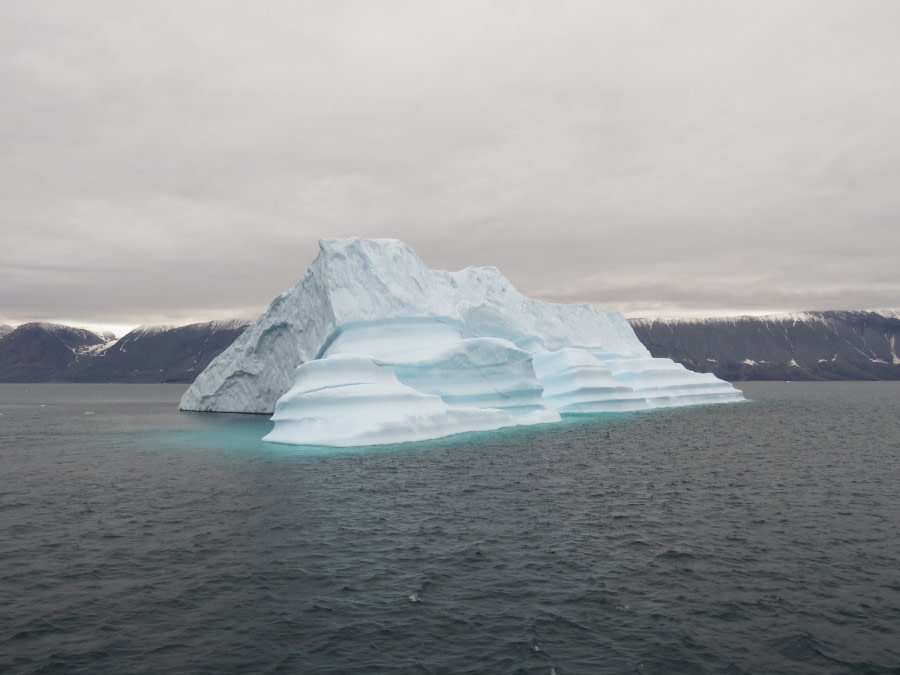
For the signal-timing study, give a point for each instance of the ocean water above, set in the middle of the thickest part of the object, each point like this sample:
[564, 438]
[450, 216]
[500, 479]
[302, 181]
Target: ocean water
[762, 537]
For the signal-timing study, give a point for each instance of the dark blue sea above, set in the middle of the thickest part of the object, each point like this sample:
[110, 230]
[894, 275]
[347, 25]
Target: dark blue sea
[761, 537]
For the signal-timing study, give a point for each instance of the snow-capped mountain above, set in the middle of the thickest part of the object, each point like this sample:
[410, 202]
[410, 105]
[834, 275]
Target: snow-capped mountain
[162, 353]
[835, 345]
[43, 352]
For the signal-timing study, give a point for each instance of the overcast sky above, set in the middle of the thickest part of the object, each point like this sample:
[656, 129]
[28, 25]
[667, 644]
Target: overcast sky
[163, 162]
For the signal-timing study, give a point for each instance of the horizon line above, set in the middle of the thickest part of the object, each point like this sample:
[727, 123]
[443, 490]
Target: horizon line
[120, 329]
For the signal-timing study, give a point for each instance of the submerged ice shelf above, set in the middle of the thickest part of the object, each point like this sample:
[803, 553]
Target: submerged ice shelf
[372, 347]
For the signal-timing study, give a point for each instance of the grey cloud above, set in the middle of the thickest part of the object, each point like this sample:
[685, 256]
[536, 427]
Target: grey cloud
[181, 159]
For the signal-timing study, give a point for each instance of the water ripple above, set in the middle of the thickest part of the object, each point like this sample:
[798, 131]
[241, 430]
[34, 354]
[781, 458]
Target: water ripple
[748, 539]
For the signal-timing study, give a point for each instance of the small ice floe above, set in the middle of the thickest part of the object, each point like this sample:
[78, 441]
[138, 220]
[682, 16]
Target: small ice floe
[43, 405]
[87, 413]
[414, 597]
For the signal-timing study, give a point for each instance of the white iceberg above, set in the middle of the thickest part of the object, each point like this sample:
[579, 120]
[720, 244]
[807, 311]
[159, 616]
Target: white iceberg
[372, 347]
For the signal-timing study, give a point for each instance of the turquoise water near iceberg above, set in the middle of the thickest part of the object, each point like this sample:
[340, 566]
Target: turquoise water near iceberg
[760, 537]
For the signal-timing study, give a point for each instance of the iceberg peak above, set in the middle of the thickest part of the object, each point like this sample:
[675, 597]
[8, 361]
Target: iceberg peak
[372, 346]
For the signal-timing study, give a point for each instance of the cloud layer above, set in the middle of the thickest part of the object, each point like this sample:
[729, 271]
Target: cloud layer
[172, 161]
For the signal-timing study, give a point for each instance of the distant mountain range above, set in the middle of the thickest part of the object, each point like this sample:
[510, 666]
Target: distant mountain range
[46, 352]
[805, 346]
[847, 345]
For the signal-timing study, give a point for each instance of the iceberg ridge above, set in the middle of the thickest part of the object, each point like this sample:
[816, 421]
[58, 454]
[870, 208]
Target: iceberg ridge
[373, 347]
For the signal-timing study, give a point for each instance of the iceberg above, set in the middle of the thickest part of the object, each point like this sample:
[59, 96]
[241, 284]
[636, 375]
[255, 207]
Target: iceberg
[372, 347]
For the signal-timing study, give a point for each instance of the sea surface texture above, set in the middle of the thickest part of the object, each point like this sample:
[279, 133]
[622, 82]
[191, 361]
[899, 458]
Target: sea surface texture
[761, 537]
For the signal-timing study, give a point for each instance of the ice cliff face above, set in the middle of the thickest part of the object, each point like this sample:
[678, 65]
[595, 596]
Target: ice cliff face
[373, 347]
